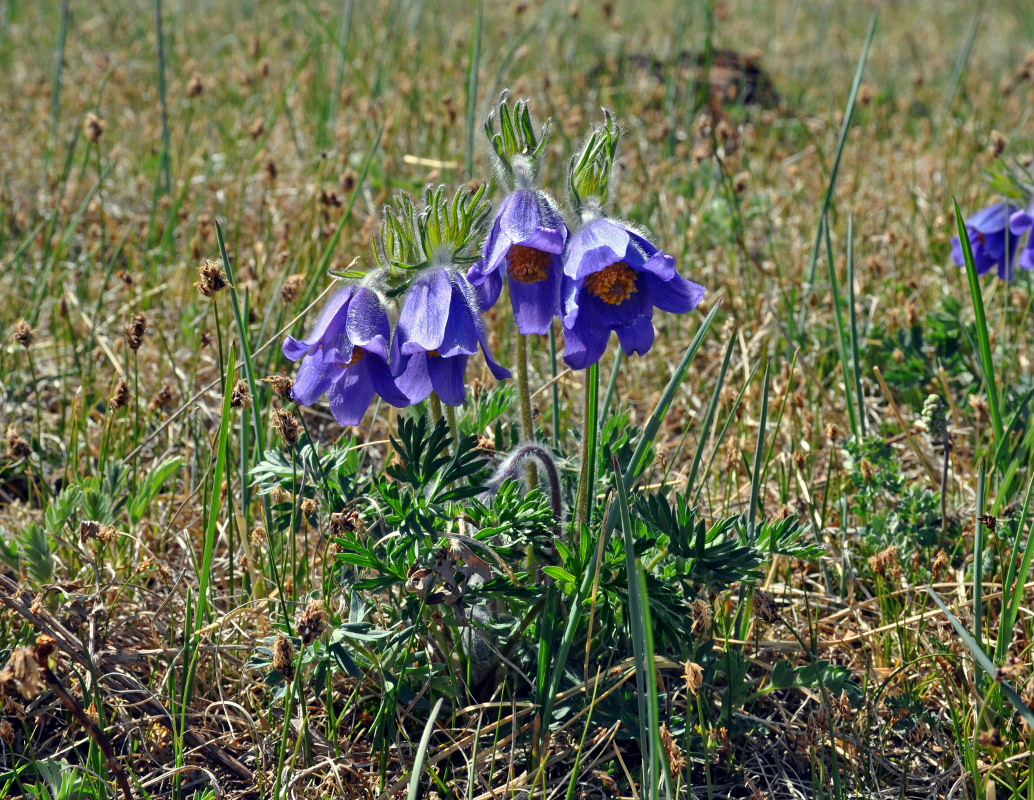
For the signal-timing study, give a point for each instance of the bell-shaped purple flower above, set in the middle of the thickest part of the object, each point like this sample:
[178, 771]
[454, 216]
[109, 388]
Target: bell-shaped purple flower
[613, 279]
[992, 242]
[1020, 223]
[526, 243]
[439, 328]
[346, 356]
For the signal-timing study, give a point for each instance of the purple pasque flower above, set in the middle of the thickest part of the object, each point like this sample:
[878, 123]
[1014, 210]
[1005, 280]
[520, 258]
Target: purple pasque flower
[526, 242]
[992, 242]
[613, 280]
[1022, 222]
[439, 328]
[346, 356]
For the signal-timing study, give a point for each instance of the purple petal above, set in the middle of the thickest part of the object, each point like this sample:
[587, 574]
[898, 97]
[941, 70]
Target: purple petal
[367, 323]
[676, 295]
[379, 375]
[991, 219]
[426, 312]
[460, 335]
[350, 396]
[314, 378]
[1020, 223]
[535, 304]
[447, 378]
[527, 217]
[637, 337]
[411, 376]
[295, 348]
[584, 344]
[660, 264]
[329, 325]
[596, 245]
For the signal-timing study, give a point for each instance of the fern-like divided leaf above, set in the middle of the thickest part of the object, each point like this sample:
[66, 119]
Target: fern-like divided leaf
[427, 465]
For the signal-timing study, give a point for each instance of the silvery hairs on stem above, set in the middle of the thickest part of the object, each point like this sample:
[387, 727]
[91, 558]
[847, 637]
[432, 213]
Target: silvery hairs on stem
[541, 455]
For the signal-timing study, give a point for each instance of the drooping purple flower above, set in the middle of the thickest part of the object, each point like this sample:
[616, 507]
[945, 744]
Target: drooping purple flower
[992, 242]
[613, 280]
[439, 328]
[1020, 223]
[346, 356]
[526, 242]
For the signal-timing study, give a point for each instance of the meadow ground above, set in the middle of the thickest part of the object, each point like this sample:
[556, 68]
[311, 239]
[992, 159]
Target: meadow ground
[780, 589]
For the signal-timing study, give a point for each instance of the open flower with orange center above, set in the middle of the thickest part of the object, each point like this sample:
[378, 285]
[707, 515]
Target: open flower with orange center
[526, 243]
[613, 280]
[346, 356]
[439, 329]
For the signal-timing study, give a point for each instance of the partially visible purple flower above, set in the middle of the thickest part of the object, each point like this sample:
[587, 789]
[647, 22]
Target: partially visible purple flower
[992, 242]
[1020, 223]
[526, 242]
[613, 279]
[439, 328]
[346, 356]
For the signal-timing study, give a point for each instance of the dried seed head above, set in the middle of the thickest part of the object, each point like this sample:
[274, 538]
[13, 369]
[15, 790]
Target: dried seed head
[293, 285]
[308, 507]
[287, 427]
[940, 563]
[280, 384]
[346, 522]
[24, 334]
[867, 469]
[997, 145]
[195, 87]
[135, 330]
[163, 399]
[21, 675]
[210, 278]
[240, 397]
[741, 182]
[6, 733]
[93, 126]
[88, 529]
[991, 738]
[701, 613]
[676, 761]
[46, 646]
[832, 434]
[885, 563]
[107, 535]
[765, 607]
[1010, 670]
[258, 536]
[694, 677]
[312, 621]
[119, 396]
[283, 656]
[17, 447]
[800, 459]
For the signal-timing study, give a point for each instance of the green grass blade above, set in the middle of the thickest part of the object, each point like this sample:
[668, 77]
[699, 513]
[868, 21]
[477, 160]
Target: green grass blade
[421, 752]
[217, 491]
[712, 408]
[1015, 579]
[838, 324]
[831, 186]
[981, 659]
[855, 358]
[653, 425]
[978, 557]
[759, 452]
[983, 340]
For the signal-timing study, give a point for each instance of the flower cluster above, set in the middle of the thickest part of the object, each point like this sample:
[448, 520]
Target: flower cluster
[597, 277]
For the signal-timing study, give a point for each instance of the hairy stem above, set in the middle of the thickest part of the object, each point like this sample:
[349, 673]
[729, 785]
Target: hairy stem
[527, 426]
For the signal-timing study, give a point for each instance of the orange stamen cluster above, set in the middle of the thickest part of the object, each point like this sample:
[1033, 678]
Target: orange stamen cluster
[357, 354]
[527, 264]
[613, 284]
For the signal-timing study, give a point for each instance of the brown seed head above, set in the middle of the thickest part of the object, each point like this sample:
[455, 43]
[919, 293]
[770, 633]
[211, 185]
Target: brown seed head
[676, 761]
[346, 522]
[694, 676]
[24, 334]
[195, 87]
[21, 675]
[240, 397]
[765, 607]
[280, 384]
[46, 646]
[308, 507]
[701, 613]
[287, 427]
[119, 395]
[293, 285]
[6, 733]
[997, 144]
[163, 399]
[135, 330]
[940, 563]
[885, 563]
[210, 278]
[283, 656]
[832, 434]
[312, 621]
[258, 536]
[17, 447]
[93, 126]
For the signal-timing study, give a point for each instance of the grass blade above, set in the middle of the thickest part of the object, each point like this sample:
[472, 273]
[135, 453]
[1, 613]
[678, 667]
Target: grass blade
[831, 186]
[857, 362]
[838, 324]
[421, 751]
[983, 340]
[472, 89]
[712, 408]
[759, 452]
